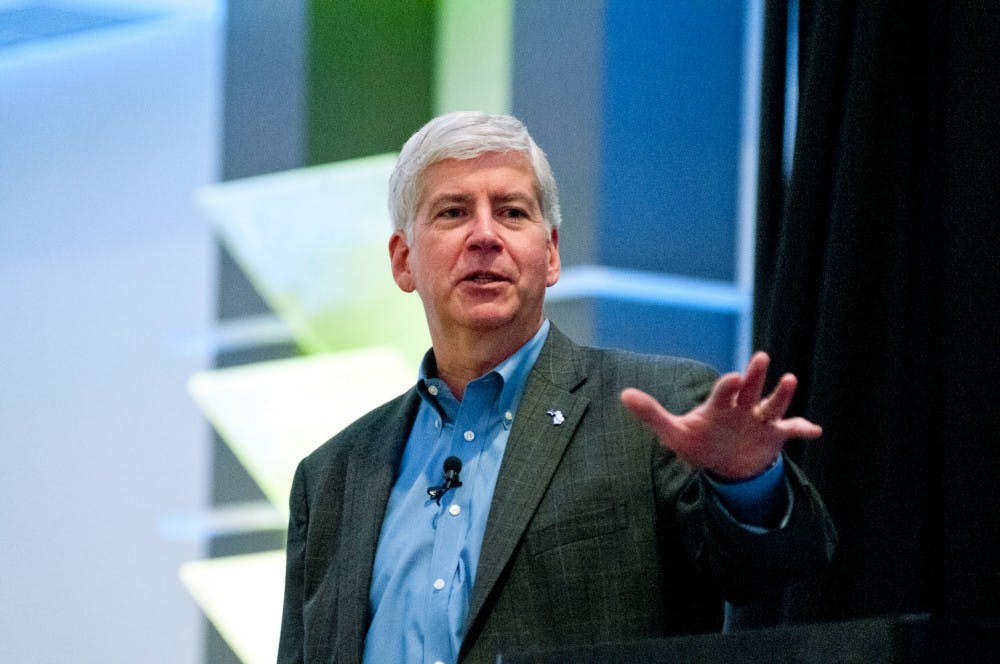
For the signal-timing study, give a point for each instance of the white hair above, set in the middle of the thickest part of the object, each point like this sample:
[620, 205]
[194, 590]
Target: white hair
[466, 135]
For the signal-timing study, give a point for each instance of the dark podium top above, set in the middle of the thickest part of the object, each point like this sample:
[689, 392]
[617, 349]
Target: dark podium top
[906, 639]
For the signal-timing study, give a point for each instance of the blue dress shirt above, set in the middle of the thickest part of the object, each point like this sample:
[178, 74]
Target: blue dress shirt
[425, 564]
[427, 554]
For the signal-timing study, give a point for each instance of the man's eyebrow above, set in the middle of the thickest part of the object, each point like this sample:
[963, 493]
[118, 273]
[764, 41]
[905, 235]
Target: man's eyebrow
[508, 197]
[449, 198]
[513, 197]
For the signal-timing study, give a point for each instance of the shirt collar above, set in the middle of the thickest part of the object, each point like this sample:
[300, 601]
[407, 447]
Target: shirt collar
[513, 373]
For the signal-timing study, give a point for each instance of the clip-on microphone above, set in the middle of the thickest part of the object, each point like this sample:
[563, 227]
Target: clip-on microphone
[452, 465]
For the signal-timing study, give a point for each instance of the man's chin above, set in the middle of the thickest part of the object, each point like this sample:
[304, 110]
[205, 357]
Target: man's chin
[490, 319]
[488, 322]
[507, 316]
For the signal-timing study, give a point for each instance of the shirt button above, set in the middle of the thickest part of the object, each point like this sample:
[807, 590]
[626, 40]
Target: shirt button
[508, 416]
[455, 510]
[433, 390]
[438, 584]
[470, 436]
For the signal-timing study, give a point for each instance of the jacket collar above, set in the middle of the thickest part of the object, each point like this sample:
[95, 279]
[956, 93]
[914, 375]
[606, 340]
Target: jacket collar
[534, 449]
[537, 442]
[372, 468]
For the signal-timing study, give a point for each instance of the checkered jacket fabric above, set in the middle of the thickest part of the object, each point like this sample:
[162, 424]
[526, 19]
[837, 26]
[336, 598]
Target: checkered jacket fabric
[596, 534]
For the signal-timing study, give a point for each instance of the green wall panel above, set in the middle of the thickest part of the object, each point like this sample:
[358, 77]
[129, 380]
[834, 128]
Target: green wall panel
[370, 73]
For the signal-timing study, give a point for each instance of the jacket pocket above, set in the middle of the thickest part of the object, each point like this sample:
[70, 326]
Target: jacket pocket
[577, 527]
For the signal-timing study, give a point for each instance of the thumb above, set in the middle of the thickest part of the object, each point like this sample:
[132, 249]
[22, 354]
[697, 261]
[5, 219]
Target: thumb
[648, 410]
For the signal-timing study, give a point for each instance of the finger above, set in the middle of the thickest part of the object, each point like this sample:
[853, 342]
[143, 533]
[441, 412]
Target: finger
[725, 391]
[753, 381]
[777, 403]
[799, 427]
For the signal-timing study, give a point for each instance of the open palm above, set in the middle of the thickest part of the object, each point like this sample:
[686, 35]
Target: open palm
[737, 432]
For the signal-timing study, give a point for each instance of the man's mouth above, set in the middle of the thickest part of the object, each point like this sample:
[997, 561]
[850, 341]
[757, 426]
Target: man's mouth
[483, 278]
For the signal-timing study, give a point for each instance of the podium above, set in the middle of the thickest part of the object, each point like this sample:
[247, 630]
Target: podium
[916, 639]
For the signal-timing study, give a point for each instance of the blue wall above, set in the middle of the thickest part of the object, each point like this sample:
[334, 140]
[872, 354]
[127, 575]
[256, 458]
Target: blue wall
[639, 106]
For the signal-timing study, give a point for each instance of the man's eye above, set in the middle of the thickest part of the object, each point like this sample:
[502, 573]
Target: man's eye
[451, 213]
[515, 213]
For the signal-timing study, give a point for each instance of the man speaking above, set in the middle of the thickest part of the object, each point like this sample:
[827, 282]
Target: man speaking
[529, 493]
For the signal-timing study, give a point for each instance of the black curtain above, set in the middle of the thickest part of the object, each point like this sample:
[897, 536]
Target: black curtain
[877, 284]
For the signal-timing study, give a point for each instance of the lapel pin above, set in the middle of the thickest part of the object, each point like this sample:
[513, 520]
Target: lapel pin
[557, 416]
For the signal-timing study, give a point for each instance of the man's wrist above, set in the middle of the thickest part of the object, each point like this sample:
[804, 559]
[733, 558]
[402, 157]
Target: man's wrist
[757, 501]
[726, 481]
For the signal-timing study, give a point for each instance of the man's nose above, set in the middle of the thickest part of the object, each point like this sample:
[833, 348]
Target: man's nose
[484, 233]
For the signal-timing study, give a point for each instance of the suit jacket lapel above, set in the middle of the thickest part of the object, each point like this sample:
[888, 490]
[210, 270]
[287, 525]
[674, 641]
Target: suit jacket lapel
[535, 446]
[371, 470]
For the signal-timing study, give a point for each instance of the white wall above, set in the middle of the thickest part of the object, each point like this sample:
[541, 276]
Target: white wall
[103, 262]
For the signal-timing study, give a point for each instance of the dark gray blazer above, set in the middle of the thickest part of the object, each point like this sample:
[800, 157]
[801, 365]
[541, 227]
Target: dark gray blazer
[595, 534]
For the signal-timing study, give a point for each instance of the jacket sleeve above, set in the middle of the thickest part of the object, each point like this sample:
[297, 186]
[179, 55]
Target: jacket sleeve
[291, 643]
[739, 563]
[746, 564]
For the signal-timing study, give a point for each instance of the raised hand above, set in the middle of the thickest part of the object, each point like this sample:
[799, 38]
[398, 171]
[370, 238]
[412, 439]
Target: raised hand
[736, 433]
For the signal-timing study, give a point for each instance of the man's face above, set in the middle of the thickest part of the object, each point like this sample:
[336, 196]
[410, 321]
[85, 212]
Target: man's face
[481, 255]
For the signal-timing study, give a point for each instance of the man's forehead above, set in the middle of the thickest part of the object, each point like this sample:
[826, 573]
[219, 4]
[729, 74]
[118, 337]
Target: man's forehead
[511, 174]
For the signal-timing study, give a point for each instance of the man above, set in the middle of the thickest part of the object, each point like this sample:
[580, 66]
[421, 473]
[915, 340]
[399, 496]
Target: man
[584, 510]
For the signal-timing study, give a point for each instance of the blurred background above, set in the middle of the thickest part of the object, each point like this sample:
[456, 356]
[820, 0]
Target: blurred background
[158, 159]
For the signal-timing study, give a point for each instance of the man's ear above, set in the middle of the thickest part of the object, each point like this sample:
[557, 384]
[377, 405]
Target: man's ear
[555, 265]
[399, 258]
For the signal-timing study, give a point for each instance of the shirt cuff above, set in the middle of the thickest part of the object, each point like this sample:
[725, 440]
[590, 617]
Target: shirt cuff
[759, 503]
